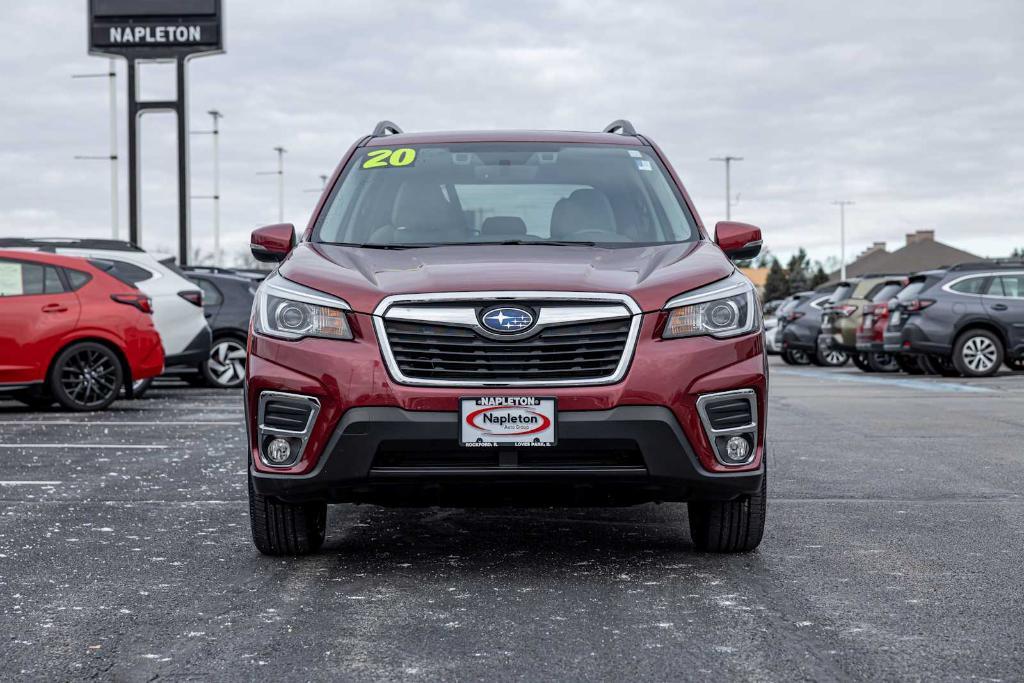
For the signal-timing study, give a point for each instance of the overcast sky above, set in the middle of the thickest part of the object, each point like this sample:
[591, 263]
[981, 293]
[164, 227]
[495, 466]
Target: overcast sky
[914, 110]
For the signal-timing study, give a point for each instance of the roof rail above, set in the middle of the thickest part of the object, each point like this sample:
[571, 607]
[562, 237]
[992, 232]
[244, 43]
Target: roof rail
[622, 126]
[989, 265]
[385, 127]
[50, 244]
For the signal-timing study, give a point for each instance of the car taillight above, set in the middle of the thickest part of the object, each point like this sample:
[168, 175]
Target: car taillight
[844, 310]
[139, 301]
[193, 296]
[917, 305]
[795, 315]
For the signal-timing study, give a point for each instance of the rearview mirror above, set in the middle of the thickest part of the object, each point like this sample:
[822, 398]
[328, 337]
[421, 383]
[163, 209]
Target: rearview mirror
[272, 242]
[739, 241]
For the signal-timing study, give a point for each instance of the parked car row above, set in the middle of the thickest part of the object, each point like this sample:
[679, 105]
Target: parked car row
[962, 321]
[83, 322]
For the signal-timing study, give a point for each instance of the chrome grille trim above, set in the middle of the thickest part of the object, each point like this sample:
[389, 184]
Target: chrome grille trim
[616, 306]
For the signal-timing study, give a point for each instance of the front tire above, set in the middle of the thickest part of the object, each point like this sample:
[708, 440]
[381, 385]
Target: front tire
[86, 376]
[795, 357]
[882, 362]
[830, 358]
[140, 387]
[1015, 364]
[286, 528]
[940, 365]
[978, 353]
[861, 361]
[910, 364]
[225, 368]
[730, 526]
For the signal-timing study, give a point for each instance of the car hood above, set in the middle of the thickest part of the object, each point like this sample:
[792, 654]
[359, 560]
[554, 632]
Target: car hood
[362, 277]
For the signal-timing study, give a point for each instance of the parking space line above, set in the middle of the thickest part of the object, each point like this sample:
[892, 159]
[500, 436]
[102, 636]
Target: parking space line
[30, 483]
[82, 445]
[922, 385]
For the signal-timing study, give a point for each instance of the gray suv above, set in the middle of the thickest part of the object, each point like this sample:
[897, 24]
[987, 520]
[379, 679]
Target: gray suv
[967, 320]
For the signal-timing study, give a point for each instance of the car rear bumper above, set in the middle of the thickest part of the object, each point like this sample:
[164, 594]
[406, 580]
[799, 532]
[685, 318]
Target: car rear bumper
[912, 339]
[197, 351]
[626, 455]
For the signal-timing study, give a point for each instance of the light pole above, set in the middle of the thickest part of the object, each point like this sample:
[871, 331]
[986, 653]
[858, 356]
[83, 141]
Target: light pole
[728, 196]
[842, 204]
[111, 76]
[323, 184]
[215, 132]
[280, 182]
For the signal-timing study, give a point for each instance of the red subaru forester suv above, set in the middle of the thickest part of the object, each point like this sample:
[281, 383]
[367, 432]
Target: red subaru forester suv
[486, 318]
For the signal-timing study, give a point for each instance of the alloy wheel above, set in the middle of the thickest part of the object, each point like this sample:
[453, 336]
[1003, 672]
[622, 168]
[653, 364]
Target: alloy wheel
[979, 354]
[226, 365]
[833, 357]
[90, 377]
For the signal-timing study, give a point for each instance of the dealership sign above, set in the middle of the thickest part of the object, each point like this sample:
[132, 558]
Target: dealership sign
[155, 28]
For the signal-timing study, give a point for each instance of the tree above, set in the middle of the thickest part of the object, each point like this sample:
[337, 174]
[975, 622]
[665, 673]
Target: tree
[776, 285]
[819, 278]
[1017, 253]
[796, 271]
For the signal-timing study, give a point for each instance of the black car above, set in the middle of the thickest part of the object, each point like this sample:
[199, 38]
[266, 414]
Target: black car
[967, 320]
[802, 326]
[227, 304]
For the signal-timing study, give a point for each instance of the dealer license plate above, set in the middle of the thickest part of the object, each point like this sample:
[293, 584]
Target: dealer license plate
[520, 421]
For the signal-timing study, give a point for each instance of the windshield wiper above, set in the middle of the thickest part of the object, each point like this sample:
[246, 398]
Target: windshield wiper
[557, 243]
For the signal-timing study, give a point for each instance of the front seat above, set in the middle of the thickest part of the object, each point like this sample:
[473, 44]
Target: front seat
[584, 209]
[422, 213]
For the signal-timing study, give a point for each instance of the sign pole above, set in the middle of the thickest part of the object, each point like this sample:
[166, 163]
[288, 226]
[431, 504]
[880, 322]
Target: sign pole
[156, 30]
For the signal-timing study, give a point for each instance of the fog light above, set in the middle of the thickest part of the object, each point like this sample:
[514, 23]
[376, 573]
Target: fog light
[737, 449]
[279, 451]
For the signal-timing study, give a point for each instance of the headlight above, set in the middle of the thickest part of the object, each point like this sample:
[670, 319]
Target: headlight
[288, 310]
[726, 308]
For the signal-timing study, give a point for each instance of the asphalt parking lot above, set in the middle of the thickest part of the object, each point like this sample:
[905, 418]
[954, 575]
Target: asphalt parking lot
[893, 549]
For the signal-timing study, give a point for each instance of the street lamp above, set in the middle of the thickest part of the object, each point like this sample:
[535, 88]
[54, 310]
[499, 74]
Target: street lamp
[111, 75]
[215, 132]
[842, 204]
[280, 182]
[728, 166]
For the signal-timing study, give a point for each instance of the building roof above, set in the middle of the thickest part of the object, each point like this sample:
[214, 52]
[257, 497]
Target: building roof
[758, 276]
[921, 252]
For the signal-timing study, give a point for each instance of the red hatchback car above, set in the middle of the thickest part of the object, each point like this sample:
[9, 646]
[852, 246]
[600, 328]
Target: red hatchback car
[72, 333]
[506, 317]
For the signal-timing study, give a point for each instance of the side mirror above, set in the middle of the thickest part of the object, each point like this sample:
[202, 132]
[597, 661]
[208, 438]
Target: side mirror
[739, 241]
[272, 242]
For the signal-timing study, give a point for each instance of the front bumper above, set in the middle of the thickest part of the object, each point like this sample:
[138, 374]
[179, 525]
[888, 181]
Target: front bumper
[625, 455]
[345, 376]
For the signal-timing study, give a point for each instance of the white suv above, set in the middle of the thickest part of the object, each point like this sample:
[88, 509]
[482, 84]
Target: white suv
[177, 302]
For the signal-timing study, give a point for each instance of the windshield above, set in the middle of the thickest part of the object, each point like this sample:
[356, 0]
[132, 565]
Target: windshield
[478, 193]
[910, 291]
[887, 292]
[842, 293]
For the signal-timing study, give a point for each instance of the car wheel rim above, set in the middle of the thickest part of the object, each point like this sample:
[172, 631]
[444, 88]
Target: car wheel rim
[227, 363]
[979, 354]
[835, 357]
[89, 377]
[885, 360]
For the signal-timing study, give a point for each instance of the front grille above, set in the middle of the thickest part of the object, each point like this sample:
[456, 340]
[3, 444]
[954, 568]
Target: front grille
[729, 414]
[288, 415]
[590, 350]
[578, 454]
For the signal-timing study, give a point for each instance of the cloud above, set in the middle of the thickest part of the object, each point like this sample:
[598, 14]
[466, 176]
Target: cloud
[914, 111]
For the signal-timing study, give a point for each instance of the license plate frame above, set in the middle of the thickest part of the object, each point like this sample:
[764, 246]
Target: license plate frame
[475, 432]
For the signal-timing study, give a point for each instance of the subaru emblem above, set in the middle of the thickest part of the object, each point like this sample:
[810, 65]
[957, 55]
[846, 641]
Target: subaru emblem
[507, 320]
